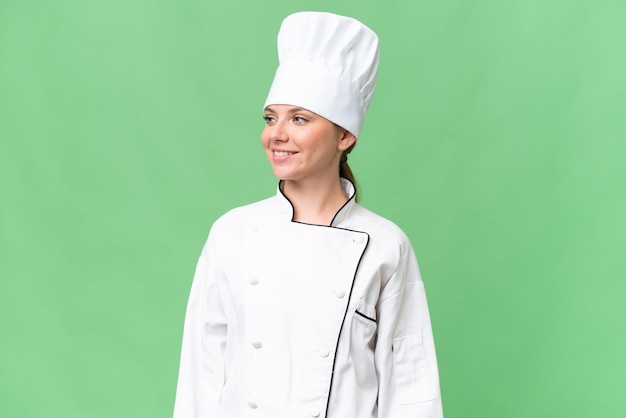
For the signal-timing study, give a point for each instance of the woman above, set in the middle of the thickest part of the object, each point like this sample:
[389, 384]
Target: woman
[307, 304]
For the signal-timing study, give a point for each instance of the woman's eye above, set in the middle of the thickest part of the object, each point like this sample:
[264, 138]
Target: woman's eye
[268, 119]
[299, 119]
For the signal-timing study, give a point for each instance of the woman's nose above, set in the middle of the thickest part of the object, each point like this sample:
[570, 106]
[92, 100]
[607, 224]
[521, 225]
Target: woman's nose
[279, 132]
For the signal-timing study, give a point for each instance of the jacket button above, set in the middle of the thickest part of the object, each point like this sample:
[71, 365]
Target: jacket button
[257, 344]
[323, 352]
[252, 405]
[315, 413]
[254, 228]
[340, 293]
[253, 281]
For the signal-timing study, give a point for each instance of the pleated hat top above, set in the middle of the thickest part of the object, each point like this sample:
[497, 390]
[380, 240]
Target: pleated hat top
[328, 65]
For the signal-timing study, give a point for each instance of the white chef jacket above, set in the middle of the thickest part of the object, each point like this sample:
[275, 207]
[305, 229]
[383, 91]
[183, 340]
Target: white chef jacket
[287, 320]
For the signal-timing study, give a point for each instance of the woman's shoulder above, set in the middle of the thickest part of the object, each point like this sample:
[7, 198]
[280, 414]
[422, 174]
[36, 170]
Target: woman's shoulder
[231, 227]
[388, 244]
[378, 226]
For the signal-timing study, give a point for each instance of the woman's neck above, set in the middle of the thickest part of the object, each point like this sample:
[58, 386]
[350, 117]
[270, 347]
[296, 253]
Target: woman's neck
[314, 203]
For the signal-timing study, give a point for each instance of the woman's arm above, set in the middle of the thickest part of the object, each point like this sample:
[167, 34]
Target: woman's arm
[201, 374]
[405, 351]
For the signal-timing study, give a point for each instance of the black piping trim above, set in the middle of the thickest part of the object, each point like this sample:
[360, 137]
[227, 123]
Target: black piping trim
[345, 314]
[345, 204]
[293, 209]
[365, 316]
[332, 373]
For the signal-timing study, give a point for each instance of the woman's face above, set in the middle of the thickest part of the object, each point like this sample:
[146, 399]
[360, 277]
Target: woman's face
[302, 145]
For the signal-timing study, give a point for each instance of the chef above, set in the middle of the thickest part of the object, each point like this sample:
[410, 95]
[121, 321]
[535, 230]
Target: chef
[306, 304]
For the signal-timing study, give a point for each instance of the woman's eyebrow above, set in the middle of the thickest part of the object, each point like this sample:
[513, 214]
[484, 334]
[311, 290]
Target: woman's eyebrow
[291, 110]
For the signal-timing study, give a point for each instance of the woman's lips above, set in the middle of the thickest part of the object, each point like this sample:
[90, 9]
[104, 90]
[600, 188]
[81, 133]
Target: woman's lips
[282, 153]
[280, 156]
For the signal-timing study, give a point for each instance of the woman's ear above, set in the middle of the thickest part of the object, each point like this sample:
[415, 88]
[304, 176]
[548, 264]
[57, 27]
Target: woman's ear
[346, 140]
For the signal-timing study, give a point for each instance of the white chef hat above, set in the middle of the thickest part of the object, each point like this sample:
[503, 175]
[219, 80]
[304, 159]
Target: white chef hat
[328, 65]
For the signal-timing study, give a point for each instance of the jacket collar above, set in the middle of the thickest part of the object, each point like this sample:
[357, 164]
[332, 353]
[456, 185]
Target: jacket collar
[286, 208]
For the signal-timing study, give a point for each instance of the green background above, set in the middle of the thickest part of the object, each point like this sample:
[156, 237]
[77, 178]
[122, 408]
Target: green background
[495, 140]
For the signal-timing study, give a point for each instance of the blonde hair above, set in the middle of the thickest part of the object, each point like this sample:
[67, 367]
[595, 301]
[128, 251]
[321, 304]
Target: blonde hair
[346, 172]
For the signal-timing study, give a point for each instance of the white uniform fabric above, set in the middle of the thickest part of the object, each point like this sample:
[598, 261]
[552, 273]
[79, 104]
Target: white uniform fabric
[290, 320]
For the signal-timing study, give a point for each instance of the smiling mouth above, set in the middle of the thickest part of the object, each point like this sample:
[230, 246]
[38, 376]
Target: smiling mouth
[283, 153]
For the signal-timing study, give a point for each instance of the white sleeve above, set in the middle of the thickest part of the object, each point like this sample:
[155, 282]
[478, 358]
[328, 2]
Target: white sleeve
[201, 373]
[405, 351]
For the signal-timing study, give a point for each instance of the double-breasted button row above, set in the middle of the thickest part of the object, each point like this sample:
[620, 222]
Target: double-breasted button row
[339, 293]
[323, 352]
[314, 411]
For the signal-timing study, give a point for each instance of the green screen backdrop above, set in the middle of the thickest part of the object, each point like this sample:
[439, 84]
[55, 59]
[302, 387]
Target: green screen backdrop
[495, 140]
